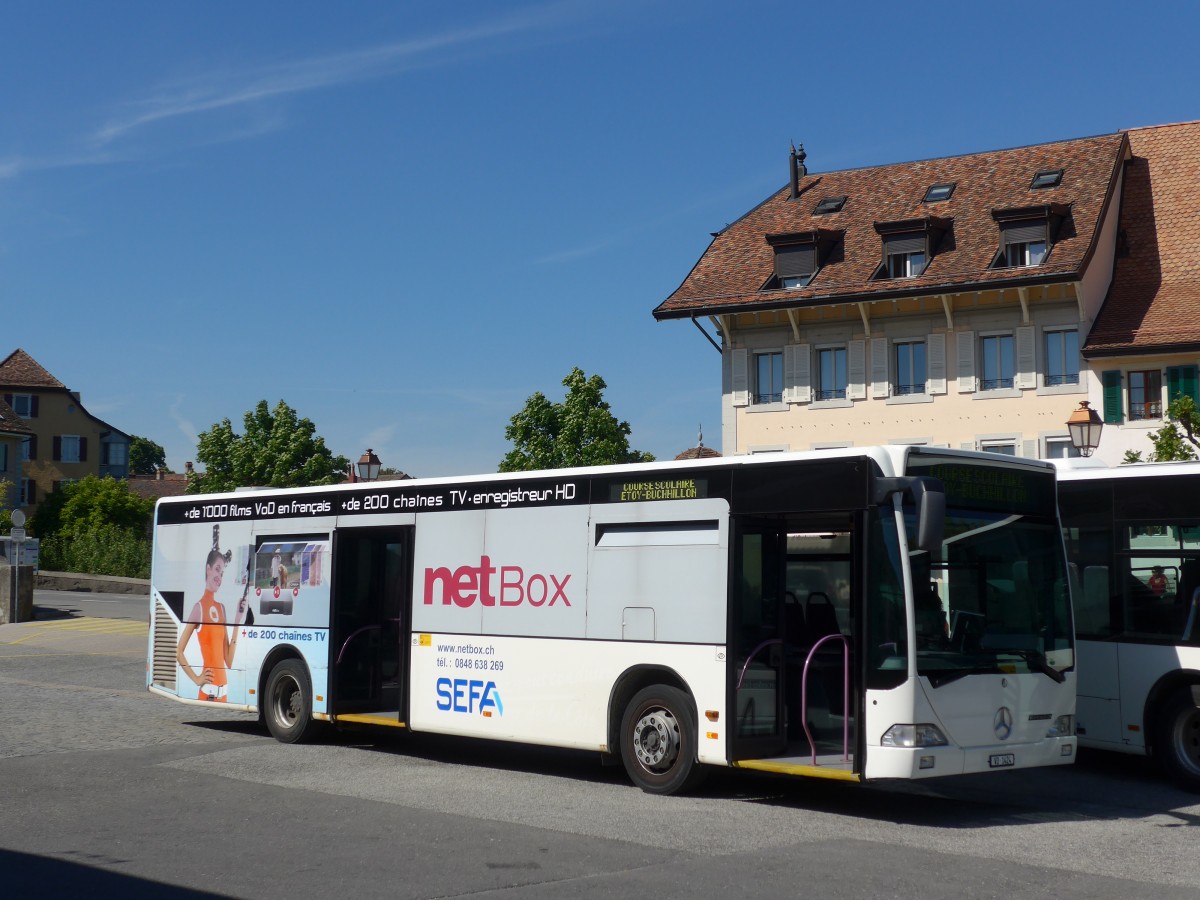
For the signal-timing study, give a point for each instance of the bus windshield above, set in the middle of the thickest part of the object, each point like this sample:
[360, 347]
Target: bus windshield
[994, 597]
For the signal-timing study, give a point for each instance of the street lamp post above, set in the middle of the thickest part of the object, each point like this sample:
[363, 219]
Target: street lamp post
[1085, 426]
[368, 466]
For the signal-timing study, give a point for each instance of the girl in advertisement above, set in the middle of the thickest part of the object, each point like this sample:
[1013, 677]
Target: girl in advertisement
[208, 621]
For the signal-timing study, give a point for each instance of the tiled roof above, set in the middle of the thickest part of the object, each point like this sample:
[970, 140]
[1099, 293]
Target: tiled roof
[152, 486]
[1154, 300]
[10, 422]
[22, 370]
[739, 262]
[700, 452]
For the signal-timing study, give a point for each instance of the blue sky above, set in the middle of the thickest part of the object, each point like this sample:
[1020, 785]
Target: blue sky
[405, 218]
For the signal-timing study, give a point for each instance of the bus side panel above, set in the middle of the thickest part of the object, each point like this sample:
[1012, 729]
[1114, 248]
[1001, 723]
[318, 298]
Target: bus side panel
[1098, 705]
[503, 571]
[290, 609]
[1142, 665]
[548, 692]
[659, 572]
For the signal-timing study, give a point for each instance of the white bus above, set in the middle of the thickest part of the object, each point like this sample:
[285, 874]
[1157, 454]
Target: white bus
[1133, 538]
[852, 614]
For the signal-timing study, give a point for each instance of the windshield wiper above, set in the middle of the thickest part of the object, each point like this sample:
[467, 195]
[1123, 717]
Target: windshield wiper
[1037, 661]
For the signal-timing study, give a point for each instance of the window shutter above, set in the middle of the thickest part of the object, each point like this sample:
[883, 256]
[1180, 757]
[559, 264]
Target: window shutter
[965, 346]
[8, 399]
[880, 382]
[33, 446]
[56, 453]
[1029, 449]
[33, 406]
[83, 449]
[795, 388]
[1023, 232]
[936, 345]
[857, 371]
[967, 445]
[796, 260]
[1114, 403]
[909, 242]
[803, 363]
[31, 492]
[1181, 380]
[738, 378]
[1026, 376]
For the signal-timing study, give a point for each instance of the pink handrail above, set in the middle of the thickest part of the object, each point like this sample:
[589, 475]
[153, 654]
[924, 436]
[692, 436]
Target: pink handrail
[845, 696]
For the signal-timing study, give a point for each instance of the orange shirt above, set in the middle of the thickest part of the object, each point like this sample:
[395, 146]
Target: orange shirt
[212, 636]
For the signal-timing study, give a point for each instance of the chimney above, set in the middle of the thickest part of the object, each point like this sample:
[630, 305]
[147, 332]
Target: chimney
[187, 468]
[158, 473]
[798, 168]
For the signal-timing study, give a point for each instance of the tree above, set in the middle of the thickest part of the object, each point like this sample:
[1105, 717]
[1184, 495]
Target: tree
[278, 449]
[1177, 438]
[145, 456]
[580, 431]
[77, 507]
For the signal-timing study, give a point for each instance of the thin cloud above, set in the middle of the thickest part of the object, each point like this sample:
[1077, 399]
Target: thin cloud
[223, 90]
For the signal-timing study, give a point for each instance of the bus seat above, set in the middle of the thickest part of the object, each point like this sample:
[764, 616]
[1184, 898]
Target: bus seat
[820, 616]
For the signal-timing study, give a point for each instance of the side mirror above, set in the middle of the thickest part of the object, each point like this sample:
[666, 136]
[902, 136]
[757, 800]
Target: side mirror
[929, 496]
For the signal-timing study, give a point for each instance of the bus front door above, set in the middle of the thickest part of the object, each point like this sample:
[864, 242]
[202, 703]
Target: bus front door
[756, 639]
[368, 645]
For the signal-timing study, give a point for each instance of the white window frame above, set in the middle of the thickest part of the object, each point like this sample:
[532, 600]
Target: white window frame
[818, 385]
[991, 392]
[16, 405]
[26, 443]
[894, 357]
[25, 485]
[1023, 256]
[1058, 440]
[62, 447]
[777, 372]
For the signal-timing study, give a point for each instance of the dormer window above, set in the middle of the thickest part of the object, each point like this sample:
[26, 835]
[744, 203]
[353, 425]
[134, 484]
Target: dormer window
[798, 257]
[1046, 178]
[908, 246]
[1027, 235]
[905, 255]
[829, 205]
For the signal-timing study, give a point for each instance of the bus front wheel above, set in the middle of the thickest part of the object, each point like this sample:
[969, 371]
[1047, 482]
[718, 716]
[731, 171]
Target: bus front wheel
[1178, 739]
[289, 703]
[658, 741]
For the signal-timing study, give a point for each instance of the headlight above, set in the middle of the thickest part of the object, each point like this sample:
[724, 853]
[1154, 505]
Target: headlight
[1064, 726]
[922, 735]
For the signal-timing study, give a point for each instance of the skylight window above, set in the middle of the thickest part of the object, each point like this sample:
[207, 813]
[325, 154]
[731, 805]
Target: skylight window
[1046, 178]
[830, 205]
[939, 192]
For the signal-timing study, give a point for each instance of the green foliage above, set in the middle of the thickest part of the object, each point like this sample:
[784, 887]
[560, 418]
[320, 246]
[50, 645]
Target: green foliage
[1132, 456]
[145, 456]
[5, 512]
[103, 549]
[278, 449]
[87, 504]
[580, 431]
[1176, 440]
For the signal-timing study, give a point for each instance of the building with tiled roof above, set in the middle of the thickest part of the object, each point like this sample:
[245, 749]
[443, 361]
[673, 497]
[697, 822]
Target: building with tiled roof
[962, 302]
[1145, 344]
[62, 441]
[13, 432]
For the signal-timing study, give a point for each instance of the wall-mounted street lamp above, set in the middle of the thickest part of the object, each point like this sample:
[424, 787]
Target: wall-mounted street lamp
[1085, 426]
[368, 466]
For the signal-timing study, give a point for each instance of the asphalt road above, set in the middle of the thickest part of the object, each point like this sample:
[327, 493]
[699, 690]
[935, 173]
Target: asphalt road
[106, 790]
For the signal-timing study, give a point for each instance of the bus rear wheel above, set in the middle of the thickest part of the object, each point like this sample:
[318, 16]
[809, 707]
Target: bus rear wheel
[288, 709]
[1178, 739]
[658, 741]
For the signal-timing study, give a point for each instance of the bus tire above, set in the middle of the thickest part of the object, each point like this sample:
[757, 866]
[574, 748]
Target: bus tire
[658, 741]
[1177, 739]
[288, 709]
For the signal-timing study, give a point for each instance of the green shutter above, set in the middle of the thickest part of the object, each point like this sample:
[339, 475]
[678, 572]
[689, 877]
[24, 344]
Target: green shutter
[1181, 380]
[1114, 403]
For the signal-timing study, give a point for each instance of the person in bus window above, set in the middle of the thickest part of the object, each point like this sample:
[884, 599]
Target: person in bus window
[208, 622]
[1158, 581]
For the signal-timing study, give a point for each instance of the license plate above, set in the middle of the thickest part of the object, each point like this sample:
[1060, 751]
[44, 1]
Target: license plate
[1000, 760]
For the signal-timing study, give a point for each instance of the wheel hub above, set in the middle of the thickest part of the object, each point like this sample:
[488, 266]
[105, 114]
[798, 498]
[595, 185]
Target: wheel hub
[656, 739]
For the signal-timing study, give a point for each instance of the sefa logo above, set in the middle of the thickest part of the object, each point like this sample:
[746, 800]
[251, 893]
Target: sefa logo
[469, 695]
